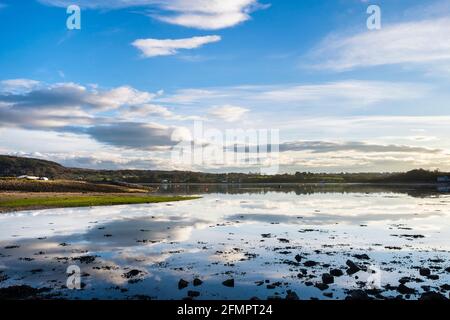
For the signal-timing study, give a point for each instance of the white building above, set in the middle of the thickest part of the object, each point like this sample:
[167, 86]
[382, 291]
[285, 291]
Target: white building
[32, 178]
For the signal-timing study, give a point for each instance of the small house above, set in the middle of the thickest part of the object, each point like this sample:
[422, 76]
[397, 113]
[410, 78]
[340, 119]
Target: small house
[28, 177]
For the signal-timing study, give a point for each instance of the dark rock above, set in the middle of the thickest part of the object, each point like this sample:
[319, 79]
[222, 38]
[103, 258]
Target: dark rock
[85, 259]
[426, 288]
[336, 272]
[182, 284]
[362, 256]
[328, 294]
[447, 269]
[228, 283]
[310, 263]
[427, 296]
[197, 282]
[357, 295]
[193, 294]
[405, 290]
[327, 278]
[12, 247]
[291, 295]
[321, 286]
[34, 271]
[20, 292]
[433, 277]
[445, 287]
[425, 272]
[352, 267]
[298, 258]
[131, 273]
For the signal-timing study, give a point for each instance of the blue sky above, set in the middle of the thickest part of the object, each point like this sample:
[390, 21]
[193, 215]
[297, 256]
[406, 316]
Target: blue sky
[121, 91]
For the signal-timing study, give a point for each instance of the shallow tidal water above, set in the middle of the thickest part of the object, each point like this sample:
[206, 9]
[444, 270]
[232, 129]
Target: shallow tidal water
[270, 241]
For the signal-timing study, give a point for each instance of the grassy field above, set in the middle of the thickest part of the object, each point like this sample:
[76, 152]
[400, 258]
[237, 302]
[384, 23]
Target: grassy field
[30, 201]
[23, 185]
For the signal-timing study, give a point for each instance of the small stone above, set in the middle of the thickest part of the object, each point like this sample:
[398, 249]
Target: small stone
[362, 256]
[336, 272]
[228, 283]
[310, 263]
[327, 278]
[357, 295]
[193, 294]
[433, 277]
[131, 273]
[427, 296]
[197, 282]
[298, 258]
[352, 267]
[445, 287]
[291, 295]
[321, 286]
[182, 284]
[405, 290]
[425, 272]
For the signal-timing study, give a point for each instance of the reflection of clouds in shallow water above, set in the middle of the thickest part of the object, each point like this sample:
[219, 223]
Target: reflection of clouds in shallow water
[186, 239]
[128, 232]
[322, 218]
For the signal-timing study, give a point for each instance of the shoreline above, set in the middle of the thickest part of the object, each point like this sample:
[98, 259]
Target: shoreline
[23, 201]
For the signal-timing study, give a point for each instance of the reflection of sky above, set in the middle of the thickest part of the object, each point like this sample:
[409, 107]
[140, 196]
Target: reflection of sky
[219, 236]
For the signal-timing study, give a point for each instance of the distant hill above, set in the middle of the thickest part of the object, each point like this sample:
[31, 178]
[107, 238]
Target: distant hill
[15, 166]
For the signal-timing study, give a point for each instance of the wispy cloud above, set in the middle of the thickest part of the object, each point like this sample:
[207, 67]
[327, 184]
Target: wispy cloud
[416, 43]
[326, 146]
[346, 93]
[18, 85]
[228, 113]
[167, 47]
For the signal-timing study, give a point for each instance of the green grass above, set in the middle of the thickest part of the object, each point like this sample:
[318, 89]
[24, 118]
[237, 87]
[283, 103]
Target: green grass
[84, 201]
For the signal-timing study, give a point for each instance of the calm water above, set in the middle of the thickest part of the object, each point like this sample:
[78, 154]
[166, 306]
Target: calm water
[249, 234]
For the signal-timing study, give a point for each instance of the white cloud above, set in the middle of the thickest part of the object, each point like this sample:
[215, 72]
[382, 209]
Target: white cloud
[208, 14]
[418, 42]
[202, 14]
[18, 85]
[147, 110]
[228, 113]
[124, 95]
[167, 47]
